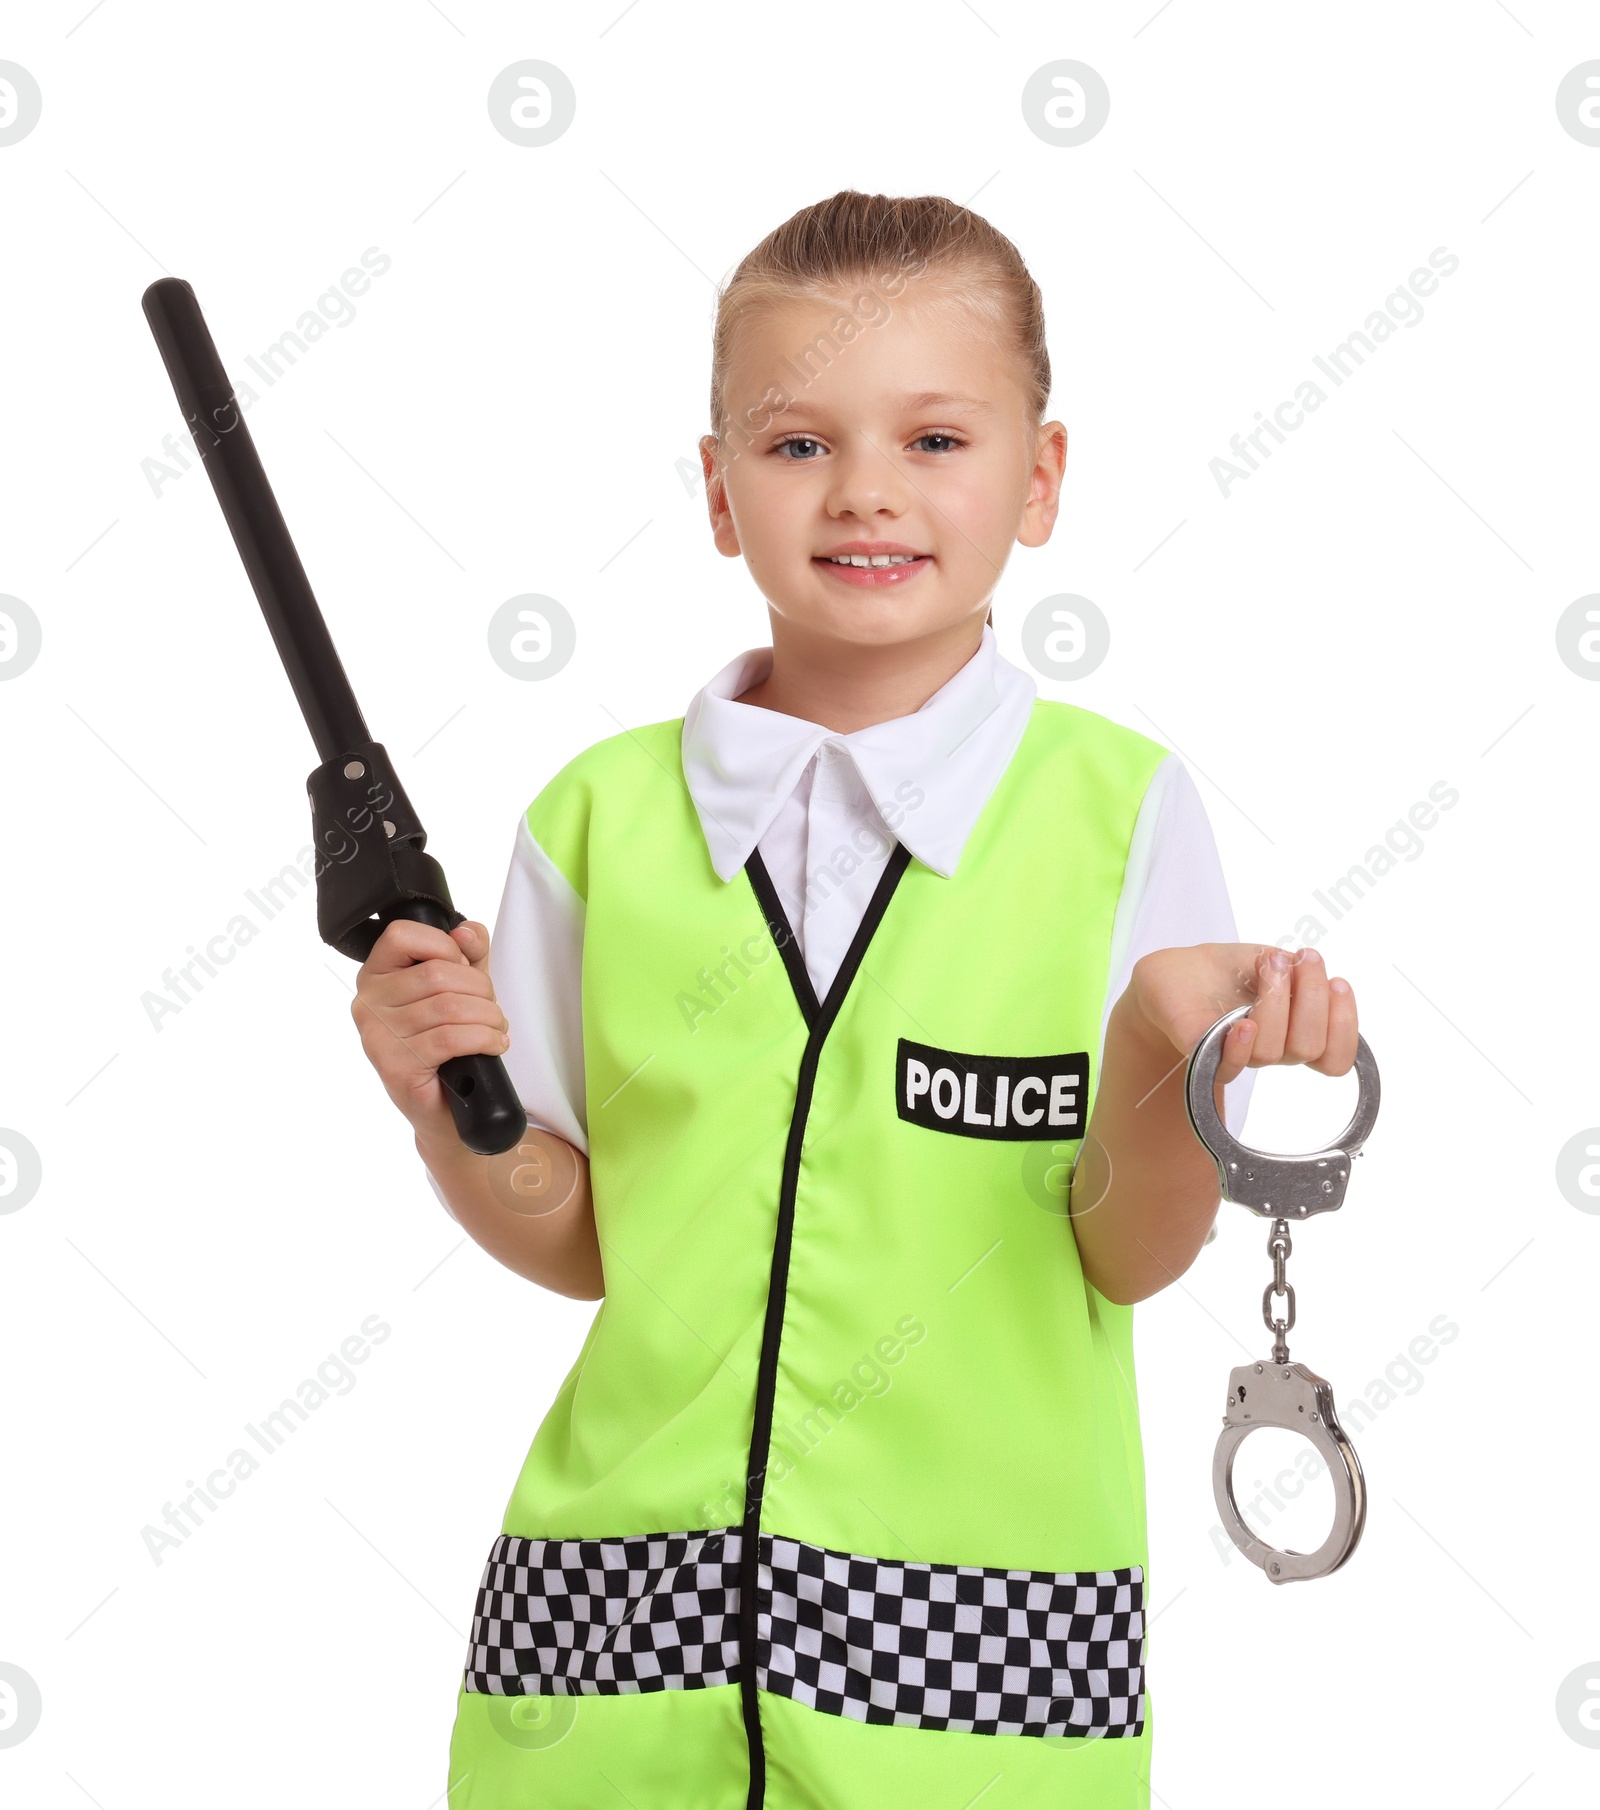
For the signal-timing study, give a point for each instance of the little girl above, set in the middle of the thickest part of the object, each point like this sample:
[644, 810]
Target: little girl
[850, 1012]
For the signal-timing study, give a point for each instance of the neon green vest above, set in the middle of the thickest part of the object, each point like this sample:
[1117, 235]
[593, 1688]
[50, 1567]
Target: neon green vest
[842, 1503]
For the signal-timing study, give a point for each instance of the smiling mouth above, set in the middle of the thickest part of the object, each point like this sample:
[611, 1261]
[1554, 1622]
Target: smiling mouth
[871, 559]
[873, 570]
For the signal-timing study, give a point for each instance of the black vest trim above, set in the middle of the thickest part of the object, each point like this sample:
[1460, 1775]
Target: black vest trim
[818, 1021]
[783, 936]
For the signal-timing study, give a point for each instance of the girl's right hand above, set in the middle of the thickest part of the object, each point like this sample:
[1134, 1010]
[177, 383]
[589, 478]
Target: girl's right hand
[424, 995]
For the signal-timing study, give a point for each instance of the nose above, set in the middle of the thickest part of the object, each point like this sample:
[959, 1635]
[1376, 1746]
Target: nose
[865, 481]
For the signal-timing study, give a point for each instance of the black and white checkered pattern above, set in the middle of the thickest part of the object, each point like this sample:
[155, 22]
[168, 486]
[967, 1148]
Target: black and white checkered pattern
[920, 1645]
[648, 1612]
[955, 1646]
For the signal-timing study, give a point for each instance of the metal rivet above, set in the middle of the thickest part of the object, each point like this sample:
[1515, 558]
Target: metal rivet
[353, 769]
[1258, 1370]
[388, 827]
[1314, 1417]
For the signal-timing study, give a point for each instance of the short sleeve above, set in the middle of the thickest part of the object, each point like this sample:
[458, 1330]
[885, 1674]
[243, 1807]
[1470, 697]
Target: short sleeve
[536, 964]
[1173, 895]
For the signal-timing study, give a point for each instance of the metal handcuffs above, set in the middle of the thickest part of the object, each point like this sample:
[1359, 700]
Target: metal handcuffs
[1276, 1393]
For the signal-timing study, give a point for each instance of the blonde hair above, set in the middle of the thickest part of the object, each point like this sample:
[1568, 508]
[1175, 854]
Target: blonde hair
[853, 238]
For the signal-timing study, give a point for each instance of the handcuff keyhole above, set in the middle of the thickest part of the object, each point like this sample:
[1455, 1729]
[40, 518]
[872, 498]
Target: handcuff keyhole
[1241, 1391]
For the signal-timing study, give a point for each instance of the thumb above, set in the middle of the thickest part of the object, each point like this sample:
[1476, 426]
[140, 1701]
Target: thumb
[1236, 1047]
[472, 939]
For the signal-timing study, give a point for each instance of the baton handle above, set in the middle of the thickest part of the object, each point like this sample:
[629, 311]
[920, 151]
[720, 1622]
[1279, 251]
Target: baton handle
[489, 1117]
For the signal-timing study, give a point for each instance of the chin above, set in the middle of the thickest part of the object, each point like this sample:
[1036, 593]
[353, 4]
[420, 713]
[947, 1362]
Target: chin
[873, 624]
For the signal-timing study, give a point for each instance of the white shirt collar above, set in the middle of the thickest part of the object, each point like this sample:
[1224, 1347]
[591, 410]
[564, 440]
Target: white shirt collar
[741, 762]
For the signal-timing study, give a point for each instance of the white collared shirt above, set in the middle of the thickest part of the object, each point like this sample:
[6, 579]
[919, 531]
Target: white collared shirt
[825, 808]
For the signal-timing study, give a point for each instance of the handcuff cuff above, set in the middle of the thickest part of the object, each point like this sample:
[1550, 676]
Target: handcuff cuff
[1275, 1392]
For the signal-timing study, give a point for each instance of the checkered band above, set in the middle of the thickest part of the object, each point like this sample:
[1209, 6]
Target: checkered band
[920, 1645]
[955, 1646]
[648, 1612]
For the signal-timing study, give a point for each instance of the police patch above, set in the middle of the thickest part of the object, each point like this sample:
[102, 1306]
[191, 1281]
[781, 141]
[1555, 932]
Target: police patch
[1016, 1097]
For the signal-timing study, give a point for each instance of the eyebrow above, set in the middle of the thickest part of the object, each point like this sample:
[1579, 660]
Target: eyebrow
[924, 399]
[927, 399]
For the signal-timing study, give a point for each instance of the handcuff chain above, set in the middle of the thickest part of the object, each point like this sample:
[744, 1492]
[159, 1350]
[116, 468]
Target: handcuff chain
[1279, 1246]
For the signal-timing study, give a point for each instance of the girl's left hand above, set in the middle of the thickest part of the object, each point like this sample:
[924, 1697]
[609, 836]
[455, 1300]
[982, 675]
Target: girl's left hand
[1297, 1013]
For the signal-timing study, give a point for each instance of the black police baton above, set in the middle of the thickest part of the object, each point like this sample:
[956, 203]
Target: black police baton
[358, 809]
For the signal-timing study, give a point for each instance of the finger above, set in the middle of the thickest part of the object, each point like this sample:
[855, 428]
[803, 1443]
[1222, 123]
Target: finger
[1339, 1053]
[400, 1036]
[418, 1026]
[403, 941]
[1271, 1010]
[449, 1040]
[1307, 1033]
[1236, 1048]
[422, 978]
[440, 1008]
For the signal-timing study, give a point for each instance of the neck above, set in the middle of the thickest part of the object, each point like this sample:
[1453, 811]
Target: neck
[845, 685]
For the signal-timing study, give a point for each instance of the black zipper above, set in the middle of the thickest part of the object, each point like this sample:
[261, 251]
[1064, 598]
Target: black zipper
[818, 1019]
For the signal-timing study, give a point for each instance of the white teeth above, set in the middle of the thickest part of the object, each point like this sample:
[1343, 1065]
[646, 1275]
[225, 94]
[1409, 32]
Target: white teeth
[875, 559]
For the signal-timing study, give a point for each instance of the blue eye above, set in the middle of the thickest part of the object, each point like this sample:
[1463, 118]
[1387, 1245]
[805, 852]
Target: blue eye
[951, 442]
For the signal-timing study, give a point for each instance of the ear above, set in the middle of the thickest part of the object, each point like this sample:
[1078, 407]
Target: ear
[722, 529]
[1044, 485]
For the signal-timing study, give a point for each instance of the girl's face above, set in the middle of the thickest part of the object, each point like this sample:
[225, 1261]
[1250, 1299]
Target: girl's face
[912, 438]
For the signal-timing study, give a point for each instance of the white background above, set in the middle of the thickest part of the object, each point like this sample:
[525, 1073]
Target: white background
[226, 1199]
